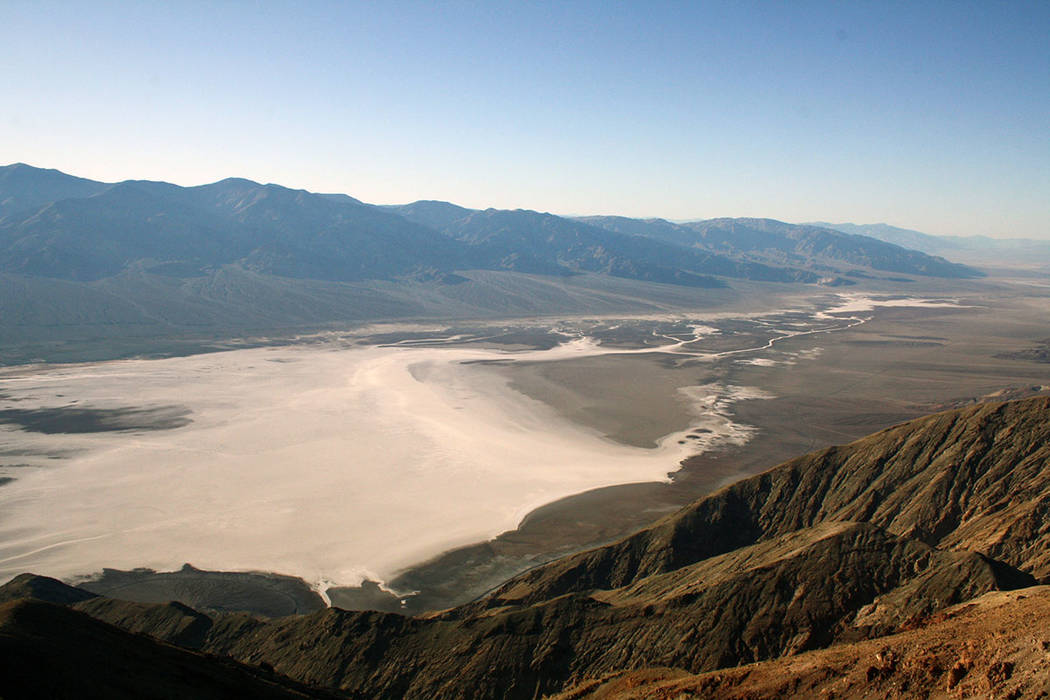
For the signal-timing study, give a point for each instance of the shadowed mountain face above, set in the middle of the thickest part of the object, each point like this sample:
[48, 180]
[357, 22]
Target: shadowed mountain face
[47, 651]
[546, 244]
[979, 250]
[56, 225]
[908, 238]
[434, 214]
[778, 243]
[23, 188]
[98, 232]
[831, 548]
[87, 260]
[188, 231]
[977, 479]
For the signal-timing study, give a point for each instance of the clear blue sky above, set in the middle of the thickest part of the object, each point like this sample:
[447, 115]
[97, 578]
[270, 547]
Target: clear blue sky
[933, 116]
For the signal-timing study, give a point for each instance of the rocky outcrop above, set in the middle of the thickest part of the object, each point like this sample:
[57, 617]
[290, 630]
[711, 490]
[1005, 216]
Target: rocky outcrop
[995, 646]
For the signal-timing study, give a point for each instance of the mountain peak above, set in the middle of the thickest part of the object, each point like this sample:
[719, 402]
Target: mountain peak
[230, 183]
[26, 188]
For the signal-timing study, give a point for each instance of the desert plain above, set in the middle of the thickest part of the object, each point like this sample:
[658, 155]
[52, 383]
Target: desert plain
[415, 466]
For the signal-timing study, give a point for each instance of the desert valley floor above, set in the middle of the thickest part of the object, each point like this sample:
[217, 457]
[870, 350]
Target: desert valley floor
[382, 454]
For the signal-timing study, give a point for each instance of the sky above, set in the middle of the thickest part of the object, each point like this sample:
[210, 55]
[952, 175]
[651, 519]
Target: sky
[927, 115]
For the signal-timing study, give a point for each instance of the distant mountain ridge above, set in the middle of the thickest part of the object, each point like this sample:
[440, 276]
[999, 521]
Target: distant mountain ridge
[778, 243]
[266, 228]
[531, 241]
[56, 225]
[908, 238]
[23, 187]
[80, 259]
[75, 229]
[982, 249]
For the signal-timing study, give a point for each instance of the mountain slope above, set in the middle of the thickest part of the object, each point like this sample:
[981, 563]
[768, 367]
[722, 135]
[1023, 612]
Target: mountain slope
[48, 651]
[978, 250]
[831, 548]
[778, 243]
[975, 479]
[23, 187]
[70, 228]
[907, 238]
[501, 235]
[437, 215]
[530, 241]
[994, 646]
[812, 243]
[187, 231]
[134, 263]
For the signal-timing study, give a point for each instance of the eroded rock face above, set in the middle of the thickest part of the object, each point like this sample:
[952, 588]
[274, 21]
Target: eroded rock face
[836, 546]
[994, 646]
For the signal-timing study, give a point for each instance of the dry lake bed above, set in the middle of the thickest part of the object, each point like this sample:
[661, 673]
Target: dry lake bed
[356, 456]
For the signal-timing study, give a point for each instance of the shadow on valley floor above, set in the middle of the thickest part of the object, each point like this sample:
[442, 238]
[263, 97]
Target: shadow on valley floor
[71, 419]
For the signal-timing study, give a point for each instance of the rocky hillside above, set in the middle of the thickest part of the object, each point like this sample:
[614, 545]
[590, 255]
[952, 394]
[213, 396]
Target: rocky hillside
[995, 646]
[832, 548]
[48, 651]
[971, 480]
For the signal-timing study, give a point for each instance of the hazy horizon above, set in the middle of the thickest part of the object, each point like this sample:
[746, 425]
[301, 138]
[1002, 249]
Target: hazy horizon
[562, 214]
[924, 115]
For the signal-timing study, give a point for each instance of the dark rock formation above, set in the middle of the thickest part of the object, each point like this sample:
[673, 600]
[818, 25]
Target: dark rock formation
[48, 651]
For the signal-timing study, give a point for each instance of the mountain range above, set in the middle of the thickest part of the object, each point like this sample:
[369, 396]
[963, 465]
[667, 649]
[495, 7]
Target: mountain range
[881, 539]
[979, 249]
[59, 226]
[80, 258]
[778, 243]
